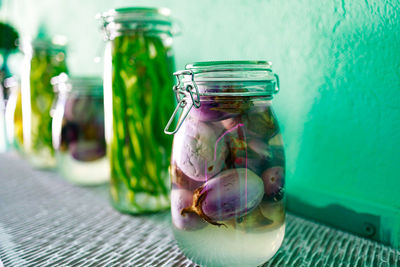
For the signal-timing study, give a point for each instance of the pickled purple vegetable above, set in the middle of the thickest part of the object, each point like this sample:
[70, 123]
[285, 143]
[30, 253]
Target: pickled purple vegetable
[231, 122]
[261, 124]
[254, 154]
[69, 134]
[253, 221]
[181, 198]
[274, 211]
[273, 181]
[87, 150]
[200, 153]
[182, 181]
[209, 111]
[82, 132]
[80, 109]
[232, 194]
[220, 108]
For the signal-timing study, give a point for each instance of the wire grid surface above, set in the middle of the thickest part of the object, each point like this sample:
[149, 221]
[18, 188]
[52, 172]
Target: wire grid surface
[45, 221]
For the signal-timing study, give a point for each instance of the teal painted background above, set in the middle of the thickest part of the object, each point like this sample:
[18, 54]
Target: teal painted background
[339, 105]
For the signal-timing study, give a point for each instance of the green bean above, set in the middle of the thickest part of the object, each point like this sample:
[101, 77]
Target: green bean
[142, 101]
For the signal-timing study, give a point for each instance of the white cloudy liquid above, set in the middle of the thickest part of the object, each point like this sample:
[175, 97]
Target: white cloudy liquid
[221, 246]
[84, 173]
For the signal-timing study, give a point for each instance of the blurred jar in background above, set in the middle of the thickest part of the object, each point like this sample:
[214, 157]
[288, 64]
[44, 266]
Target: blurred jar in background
[13, 114]
[78, 129]
[8, 46]
[3, 136]
[138, 100]
[44, 59]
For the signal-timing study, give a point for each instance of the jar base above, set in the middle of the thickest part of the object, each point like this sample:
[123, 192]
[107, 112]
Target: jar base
[144, 204]
[42, 161]
[221, 246]
[83, 173]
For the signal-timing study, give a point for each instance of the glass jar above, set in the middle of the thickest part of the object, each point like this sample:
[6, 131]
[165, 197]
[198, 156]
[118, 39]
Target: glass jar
[137, 79]
[3, 135]
[13, 114]
[78, 130]
[43, 60]
[228, 164]
[8, 46]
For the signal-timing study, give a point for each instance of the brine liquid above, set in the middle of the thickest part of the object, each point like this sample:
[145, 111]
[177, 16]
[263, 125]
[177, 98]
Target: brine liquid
[81, 172]
[42, 158]
[225, 246]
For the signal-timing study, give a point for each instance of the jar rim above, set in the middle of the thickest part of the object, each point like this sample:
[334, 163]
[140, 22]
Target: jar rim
[230, 78]
[80, 84]
[230, 71]
[137, 14]
[56, 43]
[234, 65]
[128, 19]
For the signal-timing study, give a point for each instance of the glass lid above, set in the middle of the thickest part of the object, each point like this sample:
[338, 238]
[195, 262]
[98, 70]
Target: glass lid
[80, 84]
[224, 78]
[127, 20]
[137, 14]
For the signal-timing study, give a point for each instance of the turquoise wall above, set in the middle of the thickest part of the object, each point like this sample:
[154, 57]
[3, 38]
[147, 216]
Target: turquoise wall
[339, 105]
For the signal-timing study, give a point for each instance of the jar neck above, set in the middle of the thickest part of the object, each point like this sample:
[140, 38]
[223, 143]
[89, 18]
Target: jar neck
[77, 86]
[113, 31]
[134, 20]
[232, 88]
[85, 93]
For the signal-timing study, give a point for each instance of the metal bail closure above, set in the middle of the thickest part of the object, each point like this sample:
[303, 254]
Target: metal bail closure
[277, 86]
[180, 94]
[181, 105]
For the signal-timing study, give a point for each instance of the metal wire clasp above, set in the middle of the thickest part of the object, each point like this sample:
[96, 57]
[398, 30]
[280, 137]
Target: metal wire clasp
[181, 92]
[277, 85]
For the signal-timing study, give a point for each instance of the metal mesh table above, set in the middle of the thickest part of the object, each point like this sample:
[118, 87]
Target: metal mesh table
[45, 221]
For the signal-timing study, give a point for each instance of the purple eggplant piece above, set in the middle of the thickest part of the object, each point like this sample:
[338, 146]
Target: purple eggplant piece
[255, 164]
[82, 109]
[69, 134]
[217, 108]
[198, 151]
[252, 222]
[232, 122]
[273, 181]
[260, 147]
[241, 155]
[208, 111]
[259, 155]
[181, 198]
[87, 150]
[232, 194]
[182, 181]
[274, 211]
[261, 124]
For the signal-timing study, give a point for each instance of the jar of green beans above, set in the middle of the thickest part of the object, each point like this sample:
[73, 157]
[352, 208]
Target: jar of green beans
[137, 93]
[44, 59]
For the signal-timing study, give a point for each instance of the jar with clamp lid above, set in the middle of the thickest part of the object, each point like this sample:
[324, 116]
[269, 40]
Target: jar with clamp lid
[139, 64]
[14, 114]
[78, 129]
[228, 164]
[44, 59]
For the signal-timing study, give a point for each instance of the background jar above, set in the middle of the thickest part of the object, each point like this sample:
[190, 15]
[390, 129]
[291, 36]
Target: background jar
[137, 80]
[8, 46]
[13, 114]
[228, 164]
[78, 129]
[44, 59]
